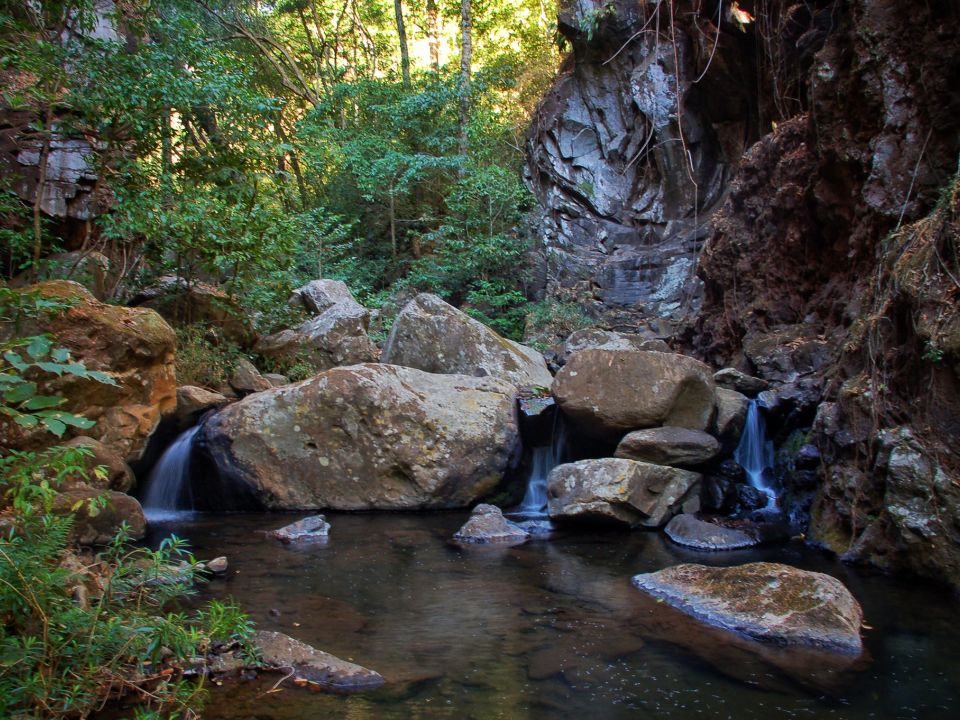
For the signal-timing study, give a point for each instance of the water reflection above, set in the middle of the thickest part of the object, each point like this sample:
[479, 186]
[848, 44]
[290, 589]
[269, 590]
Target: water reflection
[553, 629]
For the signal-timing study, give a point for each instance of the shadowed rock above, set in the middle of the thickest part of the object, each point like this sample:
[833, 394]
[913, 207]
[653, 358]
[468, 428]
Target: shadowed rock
[677, 447]
[689, 531]
[488, 525]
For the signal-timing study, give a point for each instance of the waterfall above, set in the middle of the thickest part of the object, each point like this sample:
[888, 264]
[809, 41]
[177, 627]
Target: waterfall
[755, 454]
[168, 486]
[545, 459]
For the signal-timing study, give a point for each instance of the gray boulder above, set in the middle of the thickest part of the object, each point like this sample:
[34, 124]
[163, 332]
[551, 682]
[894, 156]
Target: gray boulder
[309, 529]
[488, 525]
[733, 379]
[769, 602]
[692, 532]
[607, 393]
[620, 491]
[335, 337]
[367, 437]
[318, 296]
[247, 379]
[193, 401]
[731, 416]
[431, 335]
[677, 447]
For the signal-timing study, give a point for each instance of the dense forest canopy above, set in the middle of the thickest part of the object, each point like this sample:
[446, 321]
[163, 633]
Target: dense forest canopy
[260, 145]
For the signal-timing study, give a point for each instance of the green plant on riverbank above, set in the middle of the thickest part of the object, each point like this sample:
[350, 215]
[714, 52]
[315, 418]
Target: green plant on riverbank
[77, 630]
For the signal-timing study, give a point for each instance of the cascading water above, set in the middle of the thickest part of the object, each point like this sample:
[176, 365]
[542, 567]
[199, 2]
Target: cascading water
[168, 486]
[755, 454]
[545, 458]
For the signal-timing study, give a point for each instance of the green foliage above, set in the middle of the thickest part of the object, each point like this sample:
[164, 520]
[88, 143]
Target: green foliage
[549, 321]
[203, 358]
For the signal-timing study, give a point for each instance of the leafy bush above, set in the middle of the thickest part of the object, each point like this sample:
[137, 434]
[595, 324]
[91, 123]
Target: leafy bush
[203, 358]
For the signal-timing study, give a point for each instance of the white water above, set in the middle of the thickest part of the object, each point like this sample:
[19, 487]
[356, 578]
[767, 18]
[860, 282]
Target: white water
[545, 459]
[168, 486]
[755, 454]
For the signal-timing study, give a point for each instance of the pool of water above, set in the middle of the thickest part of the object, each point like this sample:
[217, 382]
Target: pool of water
[552, 628]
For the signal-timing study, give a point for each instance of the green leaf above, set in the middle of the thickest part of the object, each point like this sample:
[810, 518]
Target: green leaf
[15, 360]
[55, 426]
[56, 368]
[39, 346]
[27, 421]
[60, 354]
[41, 402]
[19, 393]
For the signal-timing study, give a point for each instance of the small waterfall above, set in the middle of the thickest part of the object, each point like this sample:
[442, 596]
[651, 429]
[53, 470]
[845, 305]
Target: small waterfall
[168, 486]
[755, 454]
[545, 459]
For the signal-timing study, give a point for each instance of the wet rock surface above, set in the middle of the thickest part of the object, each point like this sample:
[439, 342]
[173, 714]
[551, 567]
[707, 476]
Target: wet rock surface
[284, 653]
[310, 529]
[488, 525]
[690, 531]
[618, 491]
[431, 335]
[766, 601]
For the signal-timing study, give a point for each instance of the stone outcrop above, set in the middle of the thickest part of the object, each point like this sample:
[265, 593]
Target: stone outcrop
[766, 601]
[431, 335]
[487, 525]
[284, 653]
[620, 491]
[677, 447]
[366, 437]
[627, 154]
[336, 336]
[610, 392]
[318, 296]
[133, 345]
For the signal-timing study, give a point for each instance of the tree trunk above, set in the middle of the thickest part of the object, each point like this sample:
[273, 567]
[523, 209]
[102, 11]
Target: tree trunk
[466, 58]
[404, 51]
[433, 39]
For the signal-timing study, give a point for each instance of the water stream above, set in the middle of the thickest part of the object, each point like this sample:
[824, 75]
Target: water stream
[168, 492]
[755, 455]
[544, 459]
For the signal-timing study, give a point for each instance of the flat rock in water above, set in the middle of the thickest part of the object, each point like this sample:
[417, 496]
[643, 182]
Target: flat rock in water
[309, 529]
[282, 652]
[692, 532]
[488, 525]
[768, 602]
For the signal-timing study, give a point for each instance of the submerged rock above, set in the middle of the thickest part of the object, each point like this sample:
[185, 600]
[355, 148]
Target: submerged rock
[766, 601]
[677, 447]
[366, 437]
[282, 652]
[618, 490]
[309, 529]
[431, 335]
[692, 532]
[488, 525]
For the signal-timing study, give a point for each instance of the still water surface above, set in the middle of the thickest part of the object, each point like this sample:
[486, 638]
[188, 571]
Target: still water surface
[553, 628]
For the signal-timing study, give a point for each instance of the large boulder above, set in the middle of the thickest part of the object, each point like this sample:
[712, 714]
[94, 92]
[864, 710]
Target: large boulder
[677, 447]
[607, 393]
[336, 336]
[431, 335]
[246, 379]
[116, 474]
[766, 601]
[183, 302]
[134, 346]
[618, 490]
[366, 437]
[732, 409]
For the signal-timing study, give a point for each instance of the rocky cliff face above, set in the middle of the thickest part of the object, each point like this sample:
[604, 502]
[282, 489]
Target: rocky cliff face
[632, 148]
[819, 210]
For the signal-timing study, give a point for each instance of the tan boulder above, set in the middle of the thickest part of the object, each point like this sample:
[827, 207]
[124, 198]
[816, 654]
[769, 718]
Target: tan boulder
[118, 475]
[731, 416]
[99, 527]
[431, 335]
[134, 346]
[618, 490]
[367, 437]
[677, 447]
[608, 393]
[766, 601]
